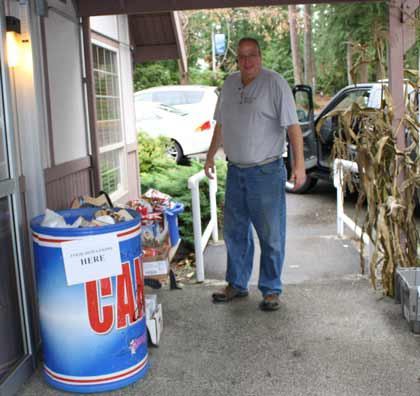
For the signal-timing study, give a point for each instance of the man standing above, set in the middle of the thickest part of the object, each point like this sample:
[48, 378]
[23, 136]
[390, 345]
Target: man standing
[254, 110]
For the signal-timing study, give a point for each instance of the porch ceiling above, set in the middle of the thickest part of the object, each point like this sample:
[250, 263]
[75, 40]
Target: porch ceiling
[156, 36]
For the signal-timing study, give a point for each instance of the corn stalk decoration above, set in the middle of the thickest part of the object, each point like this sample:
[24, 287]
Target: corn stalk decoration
[388, 178]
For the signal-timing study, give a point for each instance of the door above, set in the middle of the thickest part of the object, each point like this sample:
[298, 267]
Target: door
[305, 111]
[16, 362]
[328, 120]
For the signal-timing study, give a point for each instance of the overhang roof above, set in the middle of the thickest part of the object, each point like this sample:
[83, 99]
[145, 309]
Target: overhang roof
[157, 36]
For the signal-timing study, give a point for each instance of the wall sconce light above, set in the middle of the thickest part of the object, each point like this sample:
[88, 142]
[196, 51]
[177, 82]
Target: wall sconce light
[13, 41]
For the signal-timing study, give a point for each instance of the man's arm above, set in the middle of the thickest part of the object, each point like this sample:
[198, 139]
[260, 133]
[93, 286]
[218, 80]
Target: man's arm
[298, 175]
[214, 146]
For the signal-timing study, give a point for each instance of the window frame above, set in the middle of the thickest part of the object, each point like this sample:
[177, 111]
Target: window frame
[116, 146]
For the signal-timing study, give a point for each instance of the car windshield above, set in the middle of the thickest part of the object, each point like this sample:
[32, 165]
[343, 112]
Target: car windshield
[172, 110]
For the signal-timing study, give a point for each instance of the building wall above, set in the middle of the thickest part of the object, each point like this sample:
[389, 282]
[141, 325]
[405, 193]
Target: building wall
[67, 169]
[63, 52]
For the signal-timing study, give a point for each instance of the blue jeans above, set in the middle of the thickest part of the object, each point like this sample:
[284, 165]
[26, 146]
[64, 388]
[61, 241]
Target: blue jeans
[255, 195]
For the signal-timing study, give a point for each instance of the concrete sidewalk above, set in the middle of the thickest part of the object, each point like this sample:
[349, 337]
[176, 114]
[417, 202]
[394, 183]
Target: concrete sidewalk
[333, 336]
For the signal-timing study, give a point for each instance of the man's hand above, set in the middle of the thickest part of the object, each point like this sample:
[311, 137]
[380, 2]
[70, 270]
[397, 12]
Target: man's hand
[209, 167]
[214, 145]
[298, 177]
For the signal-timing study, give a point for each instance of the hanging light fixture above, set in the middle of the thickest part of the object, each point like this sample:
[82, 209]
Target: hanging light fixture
[13, 41]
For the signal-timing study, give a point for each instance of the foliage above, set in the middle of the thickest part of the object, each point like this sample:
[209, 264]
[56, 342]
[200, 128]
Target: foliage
[278, 57]
[334, 26]
[152, 153]
[154, 74]
[267, 24]
[364, 24]
[160, 172]
[389, 175]
[411, 58]
[206, 77]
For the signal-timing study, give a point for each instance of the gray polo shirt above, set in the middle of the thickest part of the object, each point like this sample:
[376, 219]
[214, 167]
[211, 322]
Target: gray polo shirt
[254, 118]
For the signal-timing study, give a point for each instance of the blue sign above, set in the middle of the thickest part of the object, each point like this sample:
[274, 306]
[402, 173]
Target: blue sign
[219, 43]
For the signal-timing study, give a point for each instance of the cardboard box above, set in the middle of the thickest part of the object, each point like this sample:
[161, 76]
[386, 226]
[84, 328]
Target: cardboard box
[151, 304]
[154, 325]
[157, 265]
[407, 292]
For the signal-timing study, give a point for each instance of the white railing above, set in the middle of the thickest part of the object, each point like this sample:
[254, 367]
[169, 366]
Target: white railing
[201, 240]
[339, 166]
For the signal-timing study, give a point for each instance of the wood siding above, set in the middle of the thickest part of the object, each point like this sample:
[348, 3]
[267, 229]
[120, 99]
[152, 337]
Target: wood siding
[68, 181]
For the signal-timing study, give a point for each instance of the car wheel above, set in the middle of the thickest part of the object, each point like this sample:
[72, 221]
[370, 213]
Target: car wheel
[174, 151]
[310, 181]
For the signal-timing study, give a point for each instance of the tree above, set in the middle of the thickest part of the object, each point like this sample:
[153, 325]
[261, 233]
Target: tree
[297, 65]
[267, 24]
[154, 74]
[349, 59]
[345, 38]
[309, 61]
[337, 25]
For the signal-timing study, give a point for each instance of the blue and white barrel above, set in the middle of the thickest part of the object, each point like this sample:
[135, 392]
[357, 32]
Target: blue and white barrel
[93, 334]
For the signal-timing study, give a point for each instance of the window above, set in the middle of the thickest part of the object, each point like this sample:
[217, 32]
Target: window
[109, 125]
[144, 97]
[360, 97]
[192, 97]
[176, 98]
[302, 105]
[169, 98]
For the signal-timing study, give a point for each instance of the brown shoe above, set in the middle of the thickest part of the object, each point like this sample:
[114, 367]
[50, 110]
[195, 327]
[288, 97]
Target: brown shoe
[270, 302]
[228, 294]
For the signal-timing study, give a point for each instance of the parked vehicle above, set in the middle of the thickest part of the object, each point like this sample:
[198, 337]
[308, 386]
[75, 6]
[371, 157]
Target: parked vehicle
[189, 134]
[318, 147]
[192, 99]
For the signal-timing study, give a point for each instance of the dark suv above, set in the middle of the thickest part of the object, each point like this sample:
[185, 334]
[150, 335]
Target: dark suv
[317, 148]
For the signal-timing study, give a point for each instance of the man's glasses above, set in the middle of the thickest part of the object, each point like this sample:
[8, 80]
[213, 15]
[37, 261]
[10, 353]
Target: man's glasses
[242, 58]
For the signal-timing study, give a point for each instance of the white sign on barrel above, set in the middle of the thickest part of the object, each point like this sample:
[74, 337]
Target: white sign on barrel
[91, 258]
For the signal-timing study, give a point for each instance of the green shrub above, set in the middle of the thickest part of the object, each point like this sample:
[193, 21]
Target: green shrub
[162, 173]
[206, 77]
[152, 153]
[155, 73]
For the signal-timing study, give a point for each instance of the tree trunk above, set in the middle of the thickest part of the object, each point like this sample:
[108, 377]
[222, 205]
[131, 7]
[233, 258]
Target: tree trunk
[297, 65]
[183, 75]
[349, 62]
[363, 72]
[308, 55]
[380, 61]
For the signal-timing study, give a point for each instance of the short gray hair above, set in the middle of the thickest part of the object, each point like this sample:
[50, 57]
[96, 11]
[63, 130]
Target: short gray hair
[251, 40]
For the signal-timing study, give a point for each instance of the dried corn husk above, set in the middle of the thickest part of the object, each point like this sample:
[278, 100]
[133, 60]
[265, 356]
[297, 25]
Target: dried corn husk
[388, 181]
